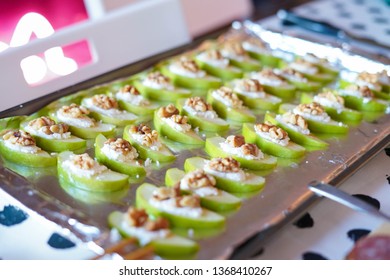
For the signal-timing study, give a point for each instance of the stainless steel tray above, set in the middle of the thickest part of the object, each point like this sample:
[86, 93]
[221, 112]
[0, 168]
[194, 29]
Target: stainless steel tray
[283, 197]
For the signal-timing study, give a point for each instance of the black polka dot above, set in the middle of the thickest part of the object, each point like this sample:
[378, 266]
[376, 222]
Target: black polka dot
[358, 26]
[356, 234]
[374, 202]
[345, 15]
[306, 221]
[388, 178]
[59, 242]
[374, 10]
[387, 150]
[12, 215]
[258, 253]
[312, 256]
[381, 20]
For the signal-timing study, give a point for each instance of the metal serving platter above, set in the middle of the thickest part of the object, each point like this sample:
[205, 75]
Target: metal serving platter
[285, 193]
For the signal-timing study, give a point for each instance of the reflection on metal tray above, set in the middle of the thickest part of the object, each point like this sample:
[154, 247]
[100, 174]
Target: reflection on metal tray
[286, 191]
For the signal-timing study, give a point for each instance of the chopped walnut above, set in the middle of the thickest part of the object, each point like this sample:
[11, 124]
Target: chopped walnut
[119, 145]
[214, 54]
[250, 85]
[274, 131]
[165, 193]
[150, 136]
[368, 77]
[295, 119]
[158, 78]
[158, 224]
[227, 164]
[137, 217]
[250, 149]
[83, 161]
[179, 119]
[234, 48]
[40, 122]
[304, 62]
[235, 140]
[191, 201]
[19, 137]
[199, 179]
[291, 72]
[104, 101]
[140, 129]
[269, 73]
[332, 97]
[189, 65]
[60, 128]
[228, 94]
[168, 111]
[198, 104]
[256, 42]
[366, 92]
[130, 89]
[74, 111]
[313, 108]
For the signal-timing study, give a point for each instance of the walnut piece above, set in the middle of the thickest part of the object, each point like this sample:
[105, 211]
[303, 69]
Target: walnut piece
[165, 193]
[83, 161]
[60, 128]
[74, 111]
[270, 74]
[19, 137]
[189, 65]
[150, 136]
[235, 140]
[214, 54]
[158, 78]
[368, 77]
[137, 217]
[250, 85]
[104, 101]
[130, 89]
[199, 179]
[256, 42]
[250, 149]
[158, 224]
[168, 111]
[230, 96]
[274, 131]
[366, 92]
[40, 122]
[332, 97]
[227, 165]
[198, 104]
[191, 201]
[313, 108]
[234, 48]
[179, 119]
[304, 62]
[292, 72]
[119, 145]
[295, 119]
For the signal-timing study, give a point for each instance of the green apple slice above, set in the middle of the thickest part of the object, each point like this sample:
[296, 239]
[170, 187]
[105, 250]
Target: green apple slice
[331, 127]
[208, 219]
[296, 136]
[106, 181]
[140, 110]
[363, 104]
[133, 168]
[39, 159]
[268, 102]
[172, 246]
[345, 114]
[242, 114]
[266, 59]
[202, 123]
[292, 150]
[323, 78]
[221, 202]
[380, 94]
[247, 64]
[162, 94]
[227, 73]
[161, 155]
[213, 148]
[251, 183]
[188, 137]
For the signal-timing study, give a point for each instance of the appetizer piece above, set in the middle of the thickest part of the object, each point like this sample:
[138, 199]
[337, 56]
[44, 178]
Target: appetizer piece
[311, 71]
[169, 123]
[201, 114]
[274, 83]
[247, 154]
[156, 232]
[227, 104]
[239, 57]
[217, 65]
[106, 109]
[19, 146]
[384, 80]
[186, 73]
[80, 124]
[272, 140]
[183, 211]
[130, 99]
[317, 118]
[334, 106]
[361, 98]
[118, 155]
[229, 175]
[261, 51]
[298, 79]
[53, 137]
[200, 183]
[147, 143]
[252, 93]
[297, 128]
[157, 86]
[83, 172]
[322, 63]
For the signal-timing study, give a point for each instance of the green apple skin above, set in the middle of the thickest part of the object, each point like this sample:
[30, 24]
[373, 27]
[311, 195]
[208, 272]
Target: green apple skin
[219, 203]
[359, 104]
[332, 127]
[286, 92]
[292, 150]
[208, 220]
[132, 169]
[217, 124]
[213, 149]
[11, 122]
[226, 74]
[161, 94]
[268, 102]
[246, 65]
[40, 159]
[163, 155]
[345, 115]
[266, 59]
[145, 110]
[251, 184]
[169, 247]
[189, 137]
[192, 83]
[297, 137]
[322, 78]
[106, 181]
[309, 86]
[383, 94]
[238, 115]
